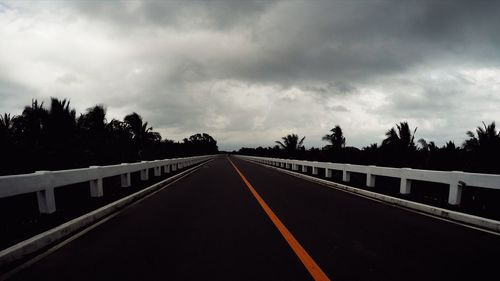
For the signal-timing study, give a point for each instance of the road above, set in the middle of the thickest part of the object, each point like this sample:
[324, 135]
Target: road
[210, 226]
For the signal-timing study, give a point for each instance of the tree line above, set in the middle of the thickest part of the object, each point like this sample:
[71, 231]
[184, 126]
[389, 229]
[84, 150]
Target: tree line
[55, 138]
[479, 152]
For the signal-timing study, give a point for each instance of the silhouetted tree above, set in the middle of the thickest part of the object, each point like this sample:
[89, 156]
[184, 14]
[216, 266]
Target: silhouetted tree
[201, 143]
[48, 139]
[6, 127]
[7, 143]
[485, 138]
[32, 124]
[61, 138]
[483, 148]
[428, 149]
[450, 146]
[31, 134]
[291, 144]
[399, 149]
[92, 126]
[336, 138]
[141, 133]
[400, 138]
[370, 154]
[120, 145]
[94, 120]
[399, 146]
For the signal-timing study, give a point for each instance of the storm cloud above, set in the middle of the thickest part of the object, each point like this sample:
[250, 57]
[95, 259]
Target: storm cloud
[249, 72]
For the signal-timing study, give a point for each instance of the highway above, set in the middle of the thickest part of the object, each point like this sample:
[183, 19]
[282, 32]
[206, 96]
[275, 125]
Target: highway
[237, 220]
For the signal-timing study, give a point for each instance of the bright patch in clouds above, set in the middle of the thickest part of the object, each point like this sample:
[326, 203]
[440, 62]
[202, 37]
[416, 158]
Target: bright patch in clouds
[249, 72]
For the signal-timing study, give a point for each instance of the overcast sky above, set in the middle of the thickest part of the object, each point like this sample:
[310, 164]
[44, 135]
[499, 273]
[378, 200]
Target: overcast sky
[249, 72]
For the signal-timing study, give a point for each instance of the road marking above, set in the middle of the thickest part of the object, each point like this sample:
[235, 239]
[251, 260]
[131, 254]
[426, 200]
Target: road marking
[301, 253]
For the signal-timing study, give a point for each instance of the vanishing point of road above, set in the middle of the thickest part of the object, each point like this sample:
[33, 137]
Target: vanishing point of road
[237, 220]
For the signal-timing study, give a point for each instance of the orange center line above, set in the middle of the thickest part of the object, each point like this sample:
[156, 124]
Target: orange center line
[301, 253]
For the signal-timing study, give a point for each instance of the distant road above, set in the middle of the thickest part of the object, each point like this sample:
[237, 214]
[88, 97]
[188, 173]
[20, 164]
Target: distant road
[212, 225]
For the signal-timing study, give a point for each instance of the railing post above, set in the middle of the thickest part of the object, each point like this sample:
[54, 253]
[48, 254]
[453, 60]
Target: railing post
[328, 173]
[144, 175]
[346, 175]
[304, 169]
[315, 170]
[125, 180]
[405, 185]
[166, 169]
[370, 178]
[96, 189]
[46, 199]
[174, 167]
[157, 171]
[288, 165]
[295, 167]
[456, 188]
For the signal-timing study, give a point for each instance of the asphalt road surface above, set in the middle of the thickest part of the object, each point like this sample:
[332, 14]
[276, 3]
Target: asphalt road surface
[210, 226]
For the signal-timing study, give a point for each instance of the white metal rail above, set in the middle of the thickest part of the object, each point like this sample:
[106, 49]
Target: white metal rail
[456, 180]
[44, 182]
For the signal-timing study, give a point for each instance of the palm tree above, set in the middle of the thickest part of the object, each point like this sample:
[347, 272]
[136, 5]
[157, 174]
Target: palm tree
[141, 133]
[427, 146]
[400, 138]
[6, 128]
[95, 141]
[60, 135]
[118, 130]
[119, 141]
[5, 122]
[94, 120]
[31, 129]
[336, 138]
[61, 120]
[487, 138]
[33, 121]
[450, 146]
[291, 143]
[429, 149]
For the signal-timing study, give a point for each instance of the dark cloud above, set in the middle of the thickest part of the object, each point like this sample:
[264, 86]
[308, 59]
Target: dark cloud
[212, 14]
[251, 71]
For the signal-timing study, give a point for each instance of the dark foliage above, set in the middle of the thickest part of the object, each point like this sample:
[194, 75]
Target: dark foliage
[54, 138]
[477, 154]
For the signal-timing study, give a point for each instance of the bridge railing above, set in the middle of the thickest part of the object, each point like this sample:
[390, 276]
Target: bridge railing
[44, 182]
[456, 180]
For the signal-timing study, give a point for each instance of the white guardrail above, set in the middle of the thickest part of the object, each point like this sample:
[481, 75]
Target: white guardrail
[44, 182]
[456, 180]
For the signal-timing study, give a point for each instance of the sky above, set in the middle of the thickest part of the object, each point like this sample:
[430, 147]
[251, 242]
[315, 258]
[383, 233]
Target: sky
[250, 72]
